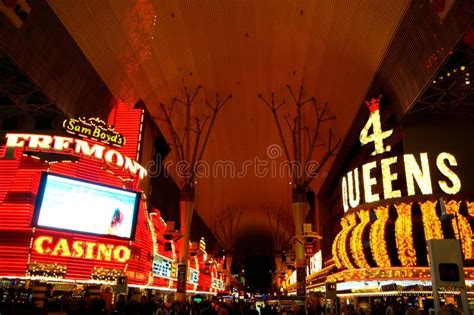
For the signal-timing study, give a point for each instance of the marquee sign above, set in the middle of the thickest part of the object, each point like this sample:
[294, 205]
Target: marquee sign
[315, 263]
[94, 129]
[74, 147]
[48, 245]
[415, 173]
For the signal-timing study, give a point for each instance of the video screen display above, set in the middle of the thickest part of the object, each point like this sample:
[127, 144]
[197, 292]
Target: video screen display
[70, 204]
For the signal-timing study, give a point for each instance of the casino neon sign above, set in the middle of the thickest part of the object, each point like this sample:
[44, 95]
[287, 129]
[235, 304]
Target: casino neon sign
[74, 147]
[415, 173]
[47, 245]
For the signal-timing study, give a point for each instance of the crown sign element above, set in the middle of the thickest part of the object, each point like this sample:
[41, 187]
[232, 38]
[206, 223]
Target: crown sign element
[373, 104]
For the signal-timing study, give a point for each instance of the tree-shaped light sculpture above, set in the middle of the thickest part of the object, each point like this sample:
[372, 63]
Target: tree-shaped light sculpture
[225, 230]
[189, 151]
[282, 229]
[304, 142]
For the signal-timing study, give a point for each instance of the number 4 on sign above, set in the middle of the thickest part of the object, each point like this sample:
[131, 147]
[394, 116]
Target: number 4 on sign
[377, 136]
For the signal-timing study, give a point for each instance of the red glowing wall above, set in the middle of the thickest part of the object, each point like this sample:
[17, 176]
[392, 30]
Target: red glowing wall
[18, 188]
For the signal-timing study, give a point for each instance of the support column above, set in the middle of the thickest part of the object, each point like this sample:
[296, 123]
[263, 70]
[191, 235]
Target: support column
[278, 269]
[39, 293]
[186, 206]
[228, 264]
[298, 205]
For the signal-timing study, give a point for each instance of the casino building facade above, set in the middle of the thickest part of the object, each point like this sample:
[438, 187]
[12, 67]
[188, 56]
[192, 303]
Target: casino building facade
[74, 216]
[409, 180]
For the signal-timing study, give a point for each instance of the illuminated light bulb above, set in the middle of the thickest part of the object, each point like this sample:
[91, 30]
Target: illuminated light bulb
[414, 173]
[342, 251]
[455, 186]
[470, 208]
[334, 250]
[452, 207]
[388, 177]
[448, 74]
[345, 204]
[369, 182]
[467, 82]
[378, 245]
[356, 243]
[463, 68]
[353, 187]
[434, 81]
[404, 235]
[455, 70]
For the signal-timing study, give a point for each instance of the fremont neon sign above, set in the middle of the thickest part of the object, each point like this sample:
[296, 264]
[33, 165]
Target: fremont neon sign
[74, 147]
[47, 245]
[415, 173]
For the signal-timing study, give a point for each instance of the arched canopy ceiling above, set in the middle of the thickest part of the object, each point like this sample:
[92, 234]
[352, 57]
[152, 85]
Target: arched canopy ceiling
[149, 49]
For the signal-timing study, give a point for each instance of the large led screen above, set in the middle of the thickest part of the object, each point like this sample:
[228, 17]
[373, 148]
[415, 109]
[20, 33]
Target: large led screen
[69, 204]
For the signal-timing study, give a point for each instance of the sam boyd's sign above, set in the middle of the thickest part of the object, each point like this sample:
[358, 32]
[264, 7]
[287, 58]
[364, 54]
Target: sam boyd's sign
[95, 129]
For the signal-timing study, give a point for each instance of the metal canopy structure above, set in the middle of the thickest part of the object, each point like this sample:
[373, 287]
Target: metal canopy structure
[452, 88]
[19, 95]
[151, 49]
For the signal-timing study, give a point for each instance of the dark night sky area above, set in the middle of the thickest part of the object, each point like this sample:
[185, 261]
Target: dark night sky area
[254, 252]
[257, 275]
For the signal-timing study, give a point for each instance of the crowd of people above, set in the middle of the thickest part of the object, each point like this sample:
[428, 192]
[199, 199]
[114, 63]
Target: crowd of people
[167, 305]
[170, 307]
[397, 307]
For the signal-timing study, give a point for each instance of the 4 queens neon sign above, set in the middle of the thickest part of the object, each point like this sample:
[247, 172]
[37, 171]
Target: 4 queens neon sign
[74, 147]
[358, 186]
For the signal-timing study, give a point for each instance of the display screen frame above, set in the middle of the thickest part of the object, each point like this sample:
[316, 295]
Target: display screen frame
[39, 203]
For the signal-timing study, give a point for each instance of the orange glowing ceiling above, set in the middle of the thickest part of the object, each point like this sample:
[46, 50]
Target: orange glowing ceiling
[148, 49]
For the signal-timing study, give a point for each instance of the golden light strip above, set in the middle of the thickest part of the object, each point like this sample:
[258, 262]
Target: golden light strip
[335, 256]
[452, 207]
[431, 222]
[356, 243]
[402, 273]
[377, 238]
[392, 273]
[342, 250]
[470, 208]
[404, 235]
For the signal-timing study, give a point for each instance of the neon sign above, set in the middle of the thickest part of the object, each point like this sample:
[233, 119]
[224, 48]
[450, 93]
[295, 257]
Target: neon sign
[95, 129]
[47, 245]
[315, 263]
[378, 135]
[415, 173]
[74, 147]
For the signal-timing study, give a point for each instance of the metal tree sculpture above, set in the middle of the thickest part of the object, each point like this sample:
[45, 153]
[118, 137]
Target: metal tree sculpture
[281, 227]
[188, 157]
[303, 171]
[282, 231]
[225, 230]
